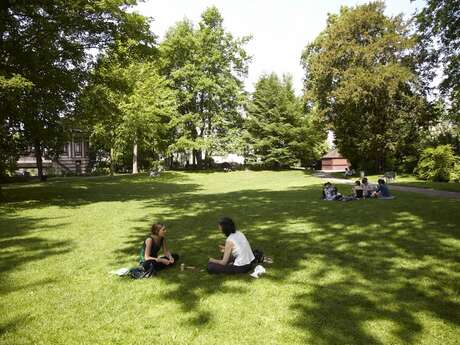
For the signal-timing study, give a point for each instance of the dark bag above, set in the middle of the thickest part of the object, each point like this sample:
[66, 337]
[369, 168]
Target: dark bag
[259, 256]
[146, 270]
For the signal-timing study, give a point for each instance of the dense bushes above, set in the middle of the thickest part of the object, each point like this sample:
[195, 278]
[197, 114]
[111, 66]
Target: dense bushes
[438, 164]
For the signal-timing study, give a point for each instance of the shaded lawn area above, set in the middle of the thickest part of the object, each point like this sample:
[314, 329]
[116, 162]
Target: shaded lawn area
[362, 272]
[410, 181]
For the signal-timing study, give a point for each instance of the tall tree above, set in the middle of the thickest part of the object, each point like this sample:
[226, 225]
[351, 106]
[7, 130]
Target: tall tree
[206, 65]
[99, 107]
[438, 25]
[147, 111]
[48, 43]
[279, 133]
[439, 33]
[361, 78]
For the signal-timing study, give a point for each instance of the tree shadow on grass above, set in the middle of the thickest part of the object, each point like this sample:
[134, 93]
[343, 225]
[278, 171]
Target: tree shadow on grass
[74, 192]
[20, 246]
[380, 261]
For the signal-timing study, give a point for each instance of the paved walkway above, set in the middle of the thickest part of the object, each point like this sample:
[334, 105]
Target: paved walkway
[425, 191]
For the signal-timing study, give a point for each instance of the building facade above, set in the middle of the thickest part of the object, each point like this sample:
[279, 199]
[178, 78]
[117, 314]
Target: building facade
[334, 161]
[74, 159]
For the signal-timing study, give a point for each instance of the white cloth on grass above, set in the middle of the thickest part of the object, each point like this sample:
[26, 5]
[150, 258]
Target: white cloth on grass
[120, 272]
[258, 270]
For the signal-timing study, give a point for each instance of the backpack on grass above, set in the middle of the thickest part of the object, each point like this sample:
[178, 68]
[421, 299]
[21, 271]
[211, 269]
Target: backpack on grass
[145, 270]
[259, 256]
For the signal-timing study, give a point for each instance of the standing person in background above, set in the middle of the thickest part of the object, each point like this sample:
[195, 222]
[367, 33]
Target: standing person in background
[237, 253]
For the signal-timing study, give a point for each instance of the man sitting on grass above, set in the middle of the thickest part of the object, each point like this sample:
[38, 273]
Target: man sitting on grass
[382, 191]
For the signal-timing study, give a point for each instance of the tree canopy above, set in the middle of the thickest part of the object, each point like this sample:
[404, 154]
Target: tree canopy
[279, 133]
[45, 50]
[360, 76]
[206, 65]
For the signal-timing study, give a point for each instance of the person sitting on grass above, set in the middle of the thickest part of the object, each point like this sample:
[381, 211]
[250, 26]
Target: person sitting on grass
[367, 188]
[357, 190]
[152, 246]
[382, 191]
[237, 253]
[330, 192]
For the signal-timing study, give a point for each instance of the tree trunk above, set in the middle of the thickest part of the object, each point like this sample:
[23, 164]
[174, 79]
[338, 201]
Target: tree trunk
[39, 160]
[199, 159]
[135, 169]
[111, 162]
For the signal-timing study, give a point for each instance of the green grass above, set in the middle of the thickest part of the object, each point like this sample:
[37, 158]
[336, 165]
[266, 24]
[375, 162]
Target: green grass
[410, 181]
[363, 272]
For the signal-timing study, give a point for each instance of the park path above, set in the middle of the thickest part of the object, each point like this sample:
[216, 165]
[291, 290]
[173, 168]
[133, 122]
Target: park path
[424, 191]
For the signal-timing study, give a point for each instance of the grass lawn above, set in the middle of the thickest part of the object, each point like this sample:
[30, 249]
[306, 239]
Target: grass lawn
[362, 272]
[410, 181]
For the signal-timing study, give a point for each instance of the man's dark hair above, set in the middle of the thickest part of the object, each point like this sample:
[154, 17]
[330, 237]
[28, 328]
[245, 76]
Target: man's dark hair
[227, 225]
[381, 181]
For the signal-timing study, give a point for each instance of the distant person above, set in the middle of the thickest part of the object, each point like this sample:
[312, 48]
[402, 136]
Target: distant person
[367, 188]
[152, 246]
[382, 190]
[349, 172]
[357, 190]
[237, 253]
[330, 192]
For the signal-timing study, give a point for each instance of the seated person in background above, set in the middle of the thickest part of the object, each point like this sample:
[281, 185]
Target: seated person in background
[349, 172]
[382, 190]
[330, 192]
[358, 190]
[152, 246]
[237, 252]
[367, 188]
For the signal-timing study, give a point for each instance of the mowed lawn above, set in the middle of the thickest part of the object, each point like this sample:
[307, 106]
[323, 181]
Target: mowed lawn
[362, 272]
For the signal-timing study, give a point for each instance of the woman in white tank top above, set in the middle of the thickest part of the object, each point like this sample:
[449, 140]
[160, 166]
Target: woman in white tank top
[237, 253]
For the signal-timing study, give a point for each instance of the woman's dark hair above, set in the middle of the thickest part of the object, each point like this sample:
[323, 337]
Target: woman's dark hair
[227, 226]
[156, 227]
[358, 183]
[381, 181]
[364, 180]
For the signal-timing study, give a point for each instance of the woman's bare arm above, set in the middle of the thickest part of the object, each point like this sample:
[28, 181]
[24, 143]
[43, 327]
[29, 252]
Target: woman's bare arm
[167, 252]
[227, 254]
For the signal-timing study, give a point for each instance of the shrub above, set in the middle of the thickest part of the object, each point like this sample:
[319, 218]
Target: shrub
[455, 174]
[436, 164]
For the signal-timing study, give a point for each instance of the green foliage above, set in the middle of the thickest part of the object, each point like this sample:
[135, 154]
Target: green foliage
[439, 44]
[206, 65]
[279, 134]
[112, 80]
[146, 111]
[48, 44]
[437, 164]
[362, 81]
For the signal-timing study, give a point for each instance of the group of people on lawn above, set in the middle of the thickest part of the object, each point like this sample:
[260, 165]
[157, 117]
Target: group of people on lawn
[237, 255]
[361, 190]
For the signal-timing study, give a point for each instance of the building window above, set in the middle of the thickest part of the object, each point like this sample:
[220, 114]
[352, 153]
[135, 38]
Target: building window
[78, 149]
[65, 149]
